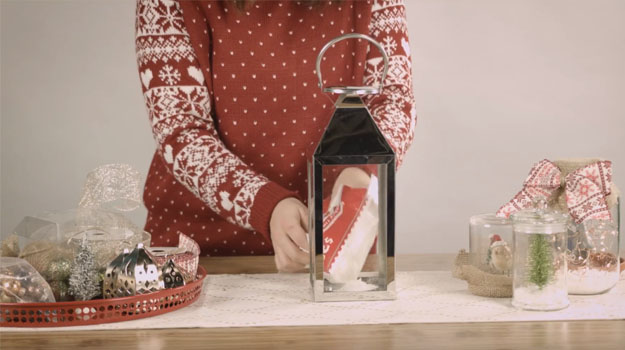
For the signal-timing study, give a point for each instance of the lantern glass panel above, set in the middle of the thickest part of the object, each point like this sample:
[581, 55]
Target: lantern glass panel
[351, 196]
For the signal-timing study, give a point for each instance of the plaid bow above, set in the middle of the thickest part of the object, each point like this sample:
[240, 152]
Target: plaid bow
[586, 190]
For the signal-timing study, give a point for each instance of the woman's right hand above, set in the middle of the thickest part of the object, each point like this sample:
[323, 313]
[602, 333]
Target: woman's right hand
[288, 235]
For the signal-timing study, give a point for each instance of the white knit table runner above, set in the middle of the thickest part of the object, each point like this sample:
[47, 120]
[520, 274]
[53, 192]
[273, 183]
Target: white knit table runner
[423, 297]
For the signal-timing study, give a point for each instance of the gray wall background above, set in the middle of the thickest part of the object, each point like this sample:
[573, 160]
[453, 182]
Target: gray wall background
[499, 85]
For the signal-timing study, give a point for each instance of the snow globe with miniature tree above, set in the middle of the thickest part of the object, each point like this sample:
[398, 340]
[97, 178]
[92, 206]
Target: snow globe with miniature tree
[540, 260]
[584, 191]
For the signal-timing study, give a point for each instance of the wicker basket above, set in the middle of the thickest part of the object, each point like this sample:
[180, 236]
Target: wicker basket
[79, 313]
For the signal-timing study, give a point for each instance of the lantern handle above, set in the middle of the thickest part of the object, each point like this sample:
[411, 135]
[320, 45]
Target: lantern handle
[352, 36]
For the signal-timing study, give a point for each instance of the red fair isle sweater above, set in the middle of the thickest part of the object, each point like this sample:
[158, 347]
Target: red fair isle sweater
[235, 109]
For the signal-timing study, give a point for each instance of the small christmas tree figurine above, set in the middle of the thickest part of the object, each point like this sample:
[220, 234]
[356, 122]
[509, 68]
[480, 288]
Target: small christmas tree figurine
[540, 261]
[84, 280]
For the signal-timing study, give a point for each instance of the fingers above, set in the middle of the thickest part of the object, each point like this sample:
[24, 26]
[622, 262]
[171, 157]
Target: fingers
[298, 236]
[281, 262]
[284, 264]
[288, 235]
[303, 216]
[290, 246]
[297, 233]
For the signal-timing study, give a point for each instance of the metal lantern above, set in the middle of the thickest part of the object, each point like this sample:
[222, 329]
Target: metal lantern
[131, 274]
[351, 179]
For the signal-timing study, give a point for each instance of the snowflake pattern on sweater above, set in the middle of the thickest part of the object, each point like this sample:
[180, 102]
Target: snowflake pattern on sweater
[203, 164]
[234, 107]
[394, 111]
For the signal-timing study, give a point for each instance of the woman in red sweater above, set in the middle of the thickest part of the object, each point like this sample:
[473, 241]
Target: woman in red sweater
[233, 101]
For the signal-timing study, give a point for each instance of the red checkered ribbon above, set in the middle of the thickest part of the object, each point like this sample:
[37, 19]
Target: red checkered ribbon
[586, 190]
[186, 255]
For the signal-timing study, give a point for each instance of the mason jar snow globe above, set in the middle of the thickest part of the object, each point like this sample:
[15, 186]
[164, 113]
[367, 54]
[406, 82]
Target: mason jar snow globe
[540, 261]
[490, 244]
[593, 256]
[593, 234]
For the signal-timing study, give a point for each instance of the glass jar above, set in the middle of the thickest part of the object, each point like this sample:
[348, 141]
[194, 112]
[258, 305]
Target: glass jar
[593, 257]
[540, 264]
[490, 244]
[593, 245]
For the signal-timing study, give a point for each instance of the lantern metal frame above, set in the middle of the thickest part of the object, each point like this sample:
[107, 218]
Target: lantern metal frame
[358, 141]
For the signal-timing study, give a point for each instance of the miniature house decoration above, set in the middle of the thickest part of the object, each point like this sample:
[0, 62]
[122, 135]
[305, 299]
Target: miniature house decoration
[132, 273]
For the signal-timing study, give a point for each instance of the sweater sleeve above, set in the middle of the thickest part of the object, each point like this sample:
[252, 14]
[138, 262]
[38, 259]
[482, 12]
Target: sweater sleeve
[177, 93]
[394, 110]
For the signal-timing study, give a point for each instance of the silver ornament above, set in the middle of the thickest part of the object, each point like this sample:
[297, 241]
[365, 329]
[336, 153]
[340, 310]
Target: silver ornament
[172, 275]
[131, 274]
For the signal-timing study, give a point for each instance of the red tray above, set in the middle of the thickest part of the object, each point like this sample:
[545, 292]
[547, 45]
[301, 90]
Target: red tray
[79, 313]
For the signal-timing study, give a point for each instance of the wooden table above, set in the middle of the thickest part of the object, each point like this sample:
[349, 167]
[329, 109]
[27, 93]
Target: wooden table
[510, 335]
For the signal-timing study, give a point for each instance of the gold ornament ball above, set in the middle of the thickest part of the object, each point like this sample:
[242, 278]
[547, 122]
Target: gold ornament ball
[15, 287]
[5, 298]
[58, 270]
